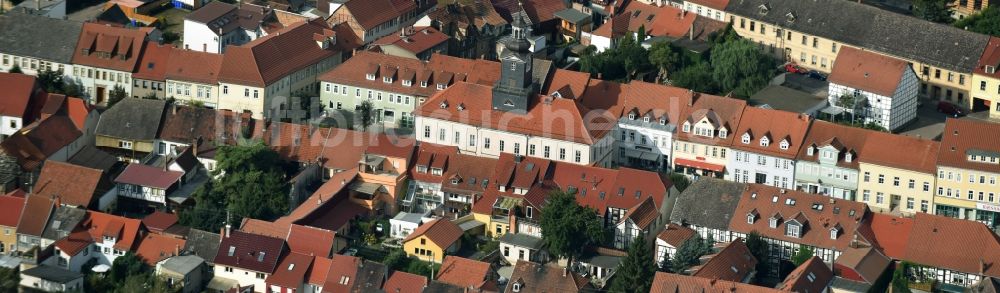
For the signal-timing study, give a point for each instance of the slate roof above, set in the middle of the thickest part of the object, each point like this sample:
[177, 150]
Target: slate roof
[132, 118]
[708, 202]
[867, 26]
[39, 36]
[63, 221]
[203, 244]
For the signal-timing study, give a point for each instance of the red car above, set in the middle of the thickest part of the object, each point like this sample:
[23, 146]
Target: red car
[950, 109]
[792, 68]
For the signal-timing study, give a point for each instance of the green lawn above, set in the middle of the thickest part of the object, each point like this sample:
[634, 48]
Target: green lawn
[172, 22]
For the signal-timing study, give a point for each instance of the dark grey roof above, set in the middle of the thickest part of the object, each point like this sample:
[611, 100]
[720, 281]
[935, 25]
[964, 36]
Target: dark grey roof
[182, 264]
[708, 202]
[573, 15]
[54, 274]
[370, 276]
[62, 222]
[787, 99]
[131, 118]
[849, 285]
[522, 240]
[604, 261]
[872, 28]
[91, 157]
[39, 36]
[438, 287]
[203, 244]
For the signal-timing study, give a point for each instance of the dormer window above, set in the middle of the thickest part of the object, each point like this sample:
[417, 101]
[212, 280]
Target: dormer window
[763, 9]
[444, 105]
[631, 116]
[436, 171]
[454, 181]
[663, 121]
[990, 69]
[848, 157]
[751, 218]
[810, 151]
[792, 229]
[784, 144]
[516, 287]
[421, 169]
[833, 233]
[442, 86]
[407, 82]
[723, 133]
[764, 141]
[772, 222]
[370, 76]
[790, 17]
[686, 127]
[387, 79]
[746, 138]
[423, 84]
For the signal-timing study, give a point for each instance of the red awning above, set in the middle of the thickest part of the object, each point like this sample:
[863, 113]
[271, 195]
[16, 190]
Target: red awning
[699, 165]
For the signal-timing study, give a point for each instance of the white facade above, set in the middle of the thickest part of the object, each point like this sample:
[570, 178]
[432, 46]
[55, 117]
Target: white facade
[97, 83]
[192, 92]
[826, 177]
[486, 142]
[664, 249]
[692, 6]
[199, 37]
[889, 112]
[750, 167]
[10, 125]
[75, 285]
[31, 65]
[242, 276]
[394, 109]
[644, 143]
[257, 100]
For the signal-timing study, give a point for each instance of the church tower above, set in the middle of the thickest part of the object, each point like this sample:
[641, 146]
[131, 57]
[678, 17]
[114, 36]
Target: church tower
[516, 86]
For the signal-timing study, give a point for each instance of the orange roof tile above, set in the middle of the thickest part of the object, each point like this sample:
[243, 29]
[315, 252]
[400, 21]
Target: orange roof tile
[117, 42]
[154, 61]
[74, 185]
[674, 283]
[777, 126]
[127, 230]
[10, 209]
[40, 208]
[868, 71]
[990, 58]
[18, 91]
[403, 282]
[194, 66]
[811, 276]
[270, 58]
[903, 152]
[844, 138]
[675, 235]
[421, 40]
[292, 271]
[965, 137]
[310, 240]
[733, 263]
[440, 231]
[155, 247]
[465, 273]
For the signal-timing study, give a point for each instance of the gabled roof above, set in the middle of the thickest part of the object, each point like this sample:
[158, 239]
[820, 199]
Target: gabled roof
[440, 231]
[534, 277]
[812, 276]
[733, 263]
[343, 273]
[310, 240]
[250, 251]
[194, 66]
[538, 11]
[203, 244]
[843, 138]
[943, 243]
[34, 143]
[714, 4]
[816, 214]
[643, 213]
[46, 38]
[372, 13]
[292, 271]
[10, 209]
[125, 230]
[965, 137]
[868, 71]
[159, 221]
[781, 125]
[266, 60]
[674, 283]
[478, 14]
[72, 184]
[156, 247]
[403, 282]
[222, 17]
[675, 234]
[40, 208]
[109, 47]
[720, 111]
[19, 90]
[904, 152]
[466, 273]
[421, 40]
[132, 118]
[149, 176]
[867, 26]
[990, 58]
[866, 262]
[708, 202]
[154, 61]
[663, 21]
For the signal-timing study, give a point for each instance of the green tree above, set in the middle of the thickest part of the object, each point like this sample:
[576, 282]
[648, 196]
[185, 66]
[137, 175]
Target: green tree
[567, 227]
[666, 264]
[125, 266]
[396, 260]
[680, 181]
[15, 69]
[635, 273]
[740, 67]
[665, 57]
[986, 21]
[365, 112]
[697, 77]
[52, 81]
[688, 254]
[9, 280]
[900, 283]
[758, 248]
[804, 254]
[932, 10]
[849, 102]
[116, 95]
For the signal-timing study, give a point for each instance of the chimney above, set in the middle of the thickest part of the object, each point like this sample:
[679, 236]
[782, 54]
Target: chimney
[177, 250]
[513, 224]
[38, 4]
[691, 32]
[229, 228]
[565, 270]
[319, 200]
[194, 147]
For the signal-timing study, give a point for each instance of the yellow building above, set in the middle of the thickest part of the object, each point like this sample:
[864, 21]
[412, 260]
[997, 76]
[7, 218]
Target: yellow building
[10, 207]
[706, 134]
[432, 240]
[810, 33]
[968, 167]
[897, 173]
[986, 81]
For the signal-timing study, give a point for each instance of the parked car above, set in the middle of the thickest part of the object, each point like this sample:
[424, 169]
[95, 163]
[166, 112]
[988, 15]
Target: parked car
[792, 68]
[950, 109]
[816, 75]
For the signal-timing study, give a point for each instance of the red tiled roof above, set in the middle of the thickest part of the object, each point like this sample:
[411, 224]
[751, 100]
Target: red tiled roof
[944, 242]
[344, 268]
[903, 152]
[811, 276]
[318, 271]
[126, 230]
[535, 277]
[18, 91]
[421, 40]
[733, 263]
[40, 208]
[440, 231]
[392, 146]
[868, 71]
[721, 111]
[274, 229]
[403, 282]
[478, 14]
[891, 234]
[574, 122]
[72, 184]
[250, 251]
[777, 126]
[75, 243]
[818, 215]
[272, 57]
[990, 57]
[35, 142]
[310, 240]
[699, 164]
[292, 271]
[643, 214]
[334, 216]
[675, 235]
[666, 21]
[78, 110]
[463, 272]
[159, 221]
[372, 13]
[155, 247]
[654, 100]
[674, 283]
[470, 170]
[154, 61]
[10, 209]
[149, 176]
[194, 66]
[844, 138]
[964, 137]
[322, 197]
[97, 39]
[714, 4]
